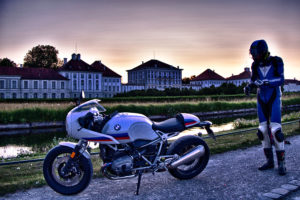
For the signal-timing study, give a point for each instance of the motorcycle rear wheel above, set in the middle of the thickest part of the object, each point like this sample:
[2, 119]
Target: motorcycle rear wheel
[191, 169]
[76, 180]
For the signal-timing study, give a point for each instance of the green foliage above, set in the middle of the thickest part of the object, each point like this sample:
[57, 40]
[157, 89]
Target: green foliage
[225, 88]
[41, 56]
[5, 62]
[33, 115]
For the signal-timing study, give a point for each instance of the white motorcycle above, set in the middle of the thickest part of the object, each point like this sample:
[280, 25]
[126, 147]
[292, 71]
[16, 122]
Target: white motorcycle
[130, 144]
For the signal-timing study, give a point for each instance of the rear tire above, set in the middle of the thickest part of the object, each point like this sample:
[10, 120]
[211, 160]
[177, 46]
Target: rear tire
[193, 168]
[76, 181]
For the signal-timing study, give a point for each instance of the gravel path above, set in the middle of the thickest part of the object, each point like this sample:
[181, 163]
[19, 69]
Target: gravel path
[231, 175]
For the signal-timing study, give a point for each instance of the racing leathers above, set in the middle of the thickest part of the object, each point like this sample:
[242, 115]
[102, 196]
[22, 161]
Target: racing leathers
[268, 76]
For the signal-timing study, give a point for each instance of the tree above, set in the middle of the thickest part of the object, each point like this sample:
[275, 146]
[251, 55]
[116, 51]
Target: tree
[44, 56]
[5, 62]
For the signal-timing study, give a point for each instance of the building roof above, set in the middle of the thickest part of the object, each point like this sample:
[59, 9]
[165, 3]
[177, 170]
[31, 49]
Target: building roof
[76, 64]
[154, 64]
[246, 74]
[32, 73]
[291, 81]
[107, 72]
[208, 75]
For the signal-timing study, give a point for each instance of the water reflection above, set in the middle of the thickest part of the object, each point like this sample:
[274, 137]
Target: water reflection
[14, 151]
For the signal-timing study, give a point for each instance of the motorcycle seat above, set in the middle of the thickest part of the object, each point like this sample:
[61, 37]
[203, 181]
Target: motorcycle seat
[169, 125]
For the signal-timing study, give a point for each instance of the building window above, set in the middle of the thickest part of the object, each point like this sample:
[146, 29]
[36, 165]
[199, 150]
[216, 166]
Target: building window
[45, 84]
[97, 76]
[45, 95]
[90, 76]
[67, 75]
[90, 85]
[74, 75]
[53, 85]
[82, 84]
[35, 95]
[53, 95]
[14, 84]
[90, 96]
[14, 95]
[35, 84]
[25, 95]
[62, 85]
[74, 85]
[2, 95]
[1, 84]
[109, 88]
[82, 75]
[25, 85]
[62, 95]
[97, 85]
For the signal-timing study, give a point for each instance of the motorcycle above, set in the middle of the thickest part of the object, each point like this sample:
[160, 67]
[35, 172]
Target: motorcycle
[130, 145]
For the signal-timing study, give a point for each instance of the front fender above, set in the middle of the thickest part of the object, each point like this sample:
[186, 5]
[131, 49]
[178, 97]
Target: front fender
[72, 145]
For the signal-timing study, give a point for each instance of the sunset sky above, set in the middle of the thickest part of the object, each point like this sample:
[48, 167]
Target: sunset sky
[192, 34]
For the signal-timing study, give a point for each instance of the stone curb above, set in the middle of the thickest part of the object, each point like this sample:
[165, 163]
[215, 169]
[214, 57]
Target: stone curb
[283, 191]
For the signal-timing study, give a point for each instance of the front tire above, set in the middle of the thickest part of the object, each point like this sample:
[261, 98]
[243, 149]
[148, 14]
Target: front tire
[77, 179]
[191, 169]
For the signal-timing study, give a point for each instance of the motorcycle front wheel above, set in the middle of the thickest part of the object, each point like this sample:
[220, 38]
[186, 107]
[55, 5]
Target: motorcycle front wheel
[78, 177]
[181, 147]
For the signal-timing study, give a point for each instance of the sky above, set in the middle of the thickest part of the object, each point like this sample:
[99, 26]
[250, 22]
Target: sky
[192, 34]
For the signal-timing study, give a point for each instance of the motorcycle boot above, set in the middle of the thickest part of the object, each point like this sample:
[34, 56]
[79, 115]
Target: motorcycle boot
[281, 162]
[270, 160]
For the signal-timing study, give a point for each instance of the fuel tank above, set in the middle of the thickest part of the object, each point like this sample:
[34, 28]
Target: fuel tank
[128, 127]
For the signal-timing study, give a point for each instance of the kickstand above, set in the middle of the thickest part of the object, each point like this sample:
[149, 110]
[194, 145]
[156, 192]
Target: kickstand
[139, 182]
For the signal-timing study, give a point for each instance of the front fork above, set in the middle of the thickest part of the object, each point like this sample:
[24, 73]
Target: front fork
[79, 149]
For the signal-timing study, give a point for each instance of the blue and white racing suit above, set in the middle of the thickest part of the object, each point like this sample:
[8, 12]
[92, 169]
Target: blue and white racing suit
[269, 100]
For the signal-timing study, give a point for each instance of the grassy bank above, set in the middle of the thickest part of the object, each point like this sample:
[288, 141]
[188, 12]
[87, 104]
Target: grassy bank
[245, 123]
[24, 176]
[58, 114]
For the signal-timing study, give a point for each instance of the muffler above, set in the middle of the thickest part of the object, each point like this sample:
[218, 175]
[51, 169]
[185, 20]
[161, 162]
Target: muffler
[197, 152]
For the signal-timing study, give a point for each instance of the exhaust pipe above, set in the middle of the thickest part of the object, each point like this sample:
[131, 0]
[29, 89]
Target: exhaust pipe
[195, 153]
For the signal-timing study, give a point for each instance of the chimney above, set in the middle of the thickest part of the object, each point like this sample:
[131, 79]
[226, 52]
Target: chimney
[73, 56]
[65, 60]
[142, 62]
[78, 56]
[247, 69]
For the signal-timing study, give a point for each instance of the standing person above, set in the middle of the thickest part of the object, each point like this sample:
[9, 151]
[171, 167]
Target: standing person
[267, 76]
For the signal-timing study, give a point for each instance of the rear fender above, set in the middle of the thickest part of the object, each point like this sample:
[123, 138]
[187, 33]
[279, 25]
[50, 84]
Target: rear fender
[73, 145]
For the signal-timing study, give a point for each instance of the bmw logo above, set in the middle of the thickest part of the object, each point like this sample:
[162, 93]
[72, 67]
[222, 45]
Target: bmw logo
[117, 127]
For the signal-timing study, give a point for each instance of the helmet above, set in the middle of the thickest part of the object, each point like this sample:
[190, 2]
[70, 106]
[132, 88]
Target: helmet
[259, 50]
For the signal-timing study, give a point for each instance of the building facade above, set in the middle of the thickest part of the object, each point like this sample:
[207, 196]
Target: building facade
[241, 78]
[32, 83]
[155, 74]
[82, 77]
[291, 85]
[111, 83]
[207, 78]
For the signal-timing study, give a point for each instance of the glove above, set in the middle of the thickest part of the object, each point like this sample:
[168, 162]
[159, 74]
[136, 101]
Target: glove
[247, 90]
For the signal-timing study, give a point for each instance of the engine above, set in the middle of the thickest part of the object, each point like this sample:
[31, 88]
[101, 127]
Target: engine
[122, 166]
